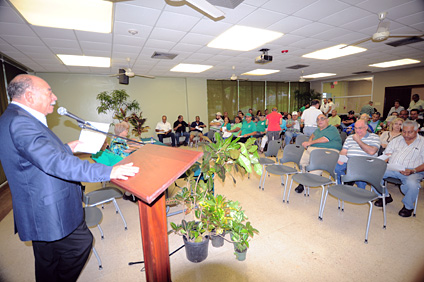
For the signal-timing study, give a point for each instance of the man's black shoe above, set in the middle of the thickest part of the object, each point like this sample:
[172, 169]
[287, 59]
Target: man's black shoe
[404, 212]
[299, 189]
[379, 202]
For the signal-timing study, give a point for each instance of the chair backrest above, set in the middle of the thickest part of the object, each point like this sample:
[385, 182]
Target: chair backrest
[323, 159]
[292, 153]
[301, 138]
[367, 169]
[343, 135]
[273, 148]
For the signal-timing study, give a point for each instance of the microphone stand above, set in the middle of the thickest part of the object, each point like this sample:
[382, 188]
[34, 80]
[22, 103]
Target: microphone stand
[92, 128]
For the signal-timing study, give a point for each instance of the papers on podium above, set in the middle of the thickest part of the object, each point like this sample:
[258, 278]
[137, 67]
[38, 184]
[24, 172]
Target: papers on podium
[92, 141]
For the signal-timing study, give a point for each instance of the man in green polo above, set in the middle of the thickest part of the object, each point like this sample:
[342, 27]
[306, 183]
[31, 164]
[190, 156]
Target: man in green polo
[248, 129]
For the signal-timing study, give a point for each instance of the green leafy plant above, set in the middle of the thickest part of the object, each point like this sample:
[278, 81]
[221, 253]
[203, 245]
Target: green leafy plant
[306, 97]
[117, 103]
[211, 212]
[241, 234]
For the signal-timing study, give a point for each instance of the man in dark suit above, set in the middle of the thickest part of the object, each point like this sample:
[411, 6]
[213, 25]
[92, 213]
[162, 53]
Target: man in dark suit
[44, 176]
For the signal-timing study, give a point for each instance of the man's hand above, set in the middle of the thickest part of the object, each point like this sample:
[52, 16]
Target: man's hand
[306, 144]
[73, 144]
[407, 172]
[123, 171]
[356, 138]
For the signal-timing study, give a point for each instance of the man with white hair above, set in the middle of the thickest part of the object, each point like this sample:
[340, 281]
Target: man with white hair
[406, 156]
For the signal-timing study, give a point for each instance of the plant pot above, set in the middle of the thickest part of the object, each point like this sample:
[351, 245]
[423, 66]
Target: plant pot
[240, 256]
[217, 240]
[196, 252]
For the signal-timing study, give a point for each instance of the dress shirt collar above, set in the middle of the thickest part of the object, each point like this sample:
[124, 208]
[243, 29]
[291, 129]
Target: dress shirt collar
[34, 113]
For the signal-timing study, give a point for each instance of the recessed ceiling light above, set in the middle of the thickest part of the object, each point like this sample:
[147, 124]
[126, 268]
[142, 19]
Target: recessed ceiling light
[87, 15]
[260, 72]
[395, 63]
[85, 61]
[193, 68]
[334, 52]
[243, 38]
[318, 75]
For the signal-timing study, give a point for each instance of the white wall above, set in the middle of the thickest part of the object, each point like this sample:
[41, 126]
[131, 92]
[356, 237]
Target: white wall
[157, 97]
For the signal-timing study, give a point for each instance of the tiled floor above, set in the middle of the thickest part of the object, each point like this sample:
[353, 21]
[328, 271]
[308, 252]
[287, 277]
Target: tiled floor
[293, 245]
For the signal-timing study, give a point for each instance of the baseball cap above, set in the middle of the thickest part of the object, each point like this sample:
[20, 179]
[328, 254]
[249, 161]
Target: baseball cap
[294, 113]
[218, 114]
[249, 114]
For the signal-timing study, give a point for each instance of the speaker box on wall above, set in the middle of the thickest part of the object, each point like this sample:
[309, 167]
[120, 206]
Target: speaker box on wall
[123, 79]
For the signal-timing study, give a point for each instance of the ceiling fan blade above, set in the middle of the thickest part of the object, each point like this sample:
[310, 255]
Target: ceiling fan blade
[117, 74]
[207, 8]
[146, 76]
[383, 26]
[357, 43]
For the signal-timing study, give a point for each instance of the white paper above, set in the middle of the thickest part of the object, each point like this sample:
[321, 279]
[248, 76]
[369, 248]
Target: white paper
[92, 141]
[383, 157]
[343, 158]
[396, 167]
[226, 134]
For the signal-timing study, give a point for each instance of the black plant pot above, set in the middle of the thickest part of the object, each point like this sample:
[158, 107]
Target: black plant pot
[196, 252]
[217, 240]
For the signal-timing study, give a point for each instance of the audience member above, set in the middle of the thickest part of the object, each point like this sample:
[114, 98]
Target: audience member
[236, 127]
[362, 143]
[351, 129]
[325, 136]
[368, 109]
[266, 112]
[240, 114]
[293, 127]
[331, 106]
[215, 125]
[273, 122]
[375, 123]
[324, 107]
[393, 132]
[225, 128]
[348, 120]
[258, 114]
[404, 114]
[334, 119]
[416, 103]
[413, 115]
[396, 108]
[303, 108]
[196, 129]
[248, 129]
[180, 130]
[261, 131]
[309, 118]
[407, 152]
[163, 130]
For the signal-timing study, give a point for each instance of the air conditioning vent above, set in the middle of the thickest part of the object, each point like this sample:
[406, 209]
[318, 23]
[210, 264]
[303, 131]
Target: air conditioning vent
[163, 56]
[296, 67]
[361, 72]
[405, 41]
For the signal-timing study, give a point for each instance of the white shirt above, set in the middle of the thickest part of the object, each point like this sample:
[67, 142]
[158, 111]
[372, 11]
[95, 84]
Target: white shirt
[163, 126]
[310, 115]
[34, 113]
[330, 107]
[324, 107]
[406, 155]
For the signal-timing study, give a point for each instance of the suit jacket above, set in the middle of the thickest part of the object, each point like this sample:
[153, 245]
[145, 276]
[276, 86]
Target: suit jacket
[43, 177]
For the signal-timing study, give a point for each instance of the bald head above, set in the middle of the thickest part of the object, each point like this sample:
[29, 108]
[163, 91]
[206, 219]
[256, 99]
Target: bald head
[19, 85]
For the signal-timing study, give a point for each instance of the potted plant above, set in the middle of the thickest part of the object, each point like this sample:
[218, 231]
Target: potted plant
[116, 101]
[240, 235]
[211, 212]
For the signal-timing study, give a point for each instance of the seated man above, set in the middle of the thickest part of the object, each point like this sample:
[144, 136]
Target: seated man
[413, 115]
[406, 151]
[293, 128]
[324, 137]
[180, 130]
[334, 119]
[375, 123]
[348, 120]
[351, 129]
[362, 143]
[163, 129]
[196, 129]
[248, 129]
[215, 125]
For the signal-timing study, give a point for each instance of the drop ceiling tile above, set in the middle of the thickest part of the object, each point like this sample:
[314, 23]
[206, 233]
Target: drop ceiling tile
[331, 34]
[204, 26]
[405, 9]
[167, 34]
[380, 6]
[23, 40]
[65, 43]
[15, 29]
[122, 28]
[289, 24]
[261, 18]
[360, 24]
[66, 51]
[412, 19]
[9, 15]
[185, 10]
[88, 45]
[54, 33]
[126, 49]
[234, 16]
[97, 53]
[94, 36]
[160, 44]
[287, 7]
[200, 57]
[128, 40]
[321, 9]
[176, 21]
[184, 47]
[344, 16]
[136, 14]
[311, 29]
[32, 49]
[159, 5]
[197, 39]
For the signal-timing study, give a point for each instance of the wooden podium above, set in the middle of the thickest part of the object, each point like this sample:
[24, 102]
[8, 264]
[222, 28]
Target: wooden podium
[159, 167]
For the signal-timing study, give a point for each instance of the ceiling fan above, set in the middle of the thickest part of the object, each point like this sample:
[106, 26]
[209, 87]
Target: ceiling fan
[382, 32]
[128, 72]
[234, 76]
[301, 78]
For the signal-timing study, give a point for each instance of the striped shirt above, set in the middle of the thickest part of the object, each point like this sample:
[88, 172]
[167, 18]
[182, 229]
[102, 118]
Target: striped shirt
[410, 156]
[353, 148]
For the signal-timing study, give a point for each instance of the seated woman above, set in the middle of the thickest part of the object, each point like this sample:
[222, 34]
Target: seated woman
[393, 132]
[225, 128]
[236, 127]
[120, 147]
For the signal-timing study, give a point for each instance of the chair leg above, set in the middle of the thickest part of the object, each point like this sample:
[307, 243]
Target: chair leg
[368, 223]
[342, 206]
[98, 259]
[384, 212]
[285, 187]
[323, 204]
[101, 231]
[416, 204]
[262, 177]
[288, 194]
[120, 213]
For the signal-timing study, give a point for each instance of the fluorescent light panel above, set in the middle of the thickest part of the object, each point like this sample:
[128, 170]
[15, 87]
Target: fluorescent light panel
[260, 72]
[243, 38]
[193, 68]
[318, 75]
[87, 15]
[334, 52]
[395, 63]
[85, 61]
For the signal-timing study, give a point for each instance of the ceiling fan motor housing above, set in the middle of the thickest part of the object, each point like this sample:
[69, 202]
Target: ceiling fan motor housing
[380, 36]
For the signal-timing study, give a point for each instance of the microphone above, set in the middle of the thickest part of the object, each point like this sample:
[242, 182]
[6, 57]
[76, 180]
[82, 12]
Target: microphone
[62, 111]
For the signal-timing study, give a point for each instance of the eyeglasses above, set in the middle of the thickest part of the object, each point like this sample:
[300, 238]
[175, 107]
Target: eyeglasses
[360, 127]
[322, 118]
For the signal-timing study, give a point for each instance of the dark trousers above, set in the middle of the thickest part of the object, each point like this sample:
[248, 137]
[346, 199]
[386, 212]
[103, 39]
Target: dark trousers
[170, 134]
[64, 259]
[179, 134]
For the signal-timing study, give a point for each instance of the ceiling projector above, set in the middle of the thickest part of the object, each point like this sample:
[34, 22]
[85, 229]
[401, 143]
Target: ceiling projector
[264, 58]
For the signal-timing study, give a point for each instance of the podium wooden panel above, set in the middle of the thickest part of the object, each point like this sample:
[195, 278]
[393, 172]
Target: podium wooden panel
[159, 167]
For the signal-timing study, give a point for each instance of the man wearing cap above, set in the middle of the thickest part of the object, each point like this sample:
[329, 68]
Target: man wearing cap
[293, 128]
[248, 129]
[215, 125]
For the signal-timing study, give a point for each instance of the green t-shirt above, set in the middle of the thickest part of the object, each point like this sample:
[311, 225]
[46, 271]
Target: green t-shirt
[261, 126]
[228, 126]
[333, 136]
[334, 120]
[234, 126]
[248, 128]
